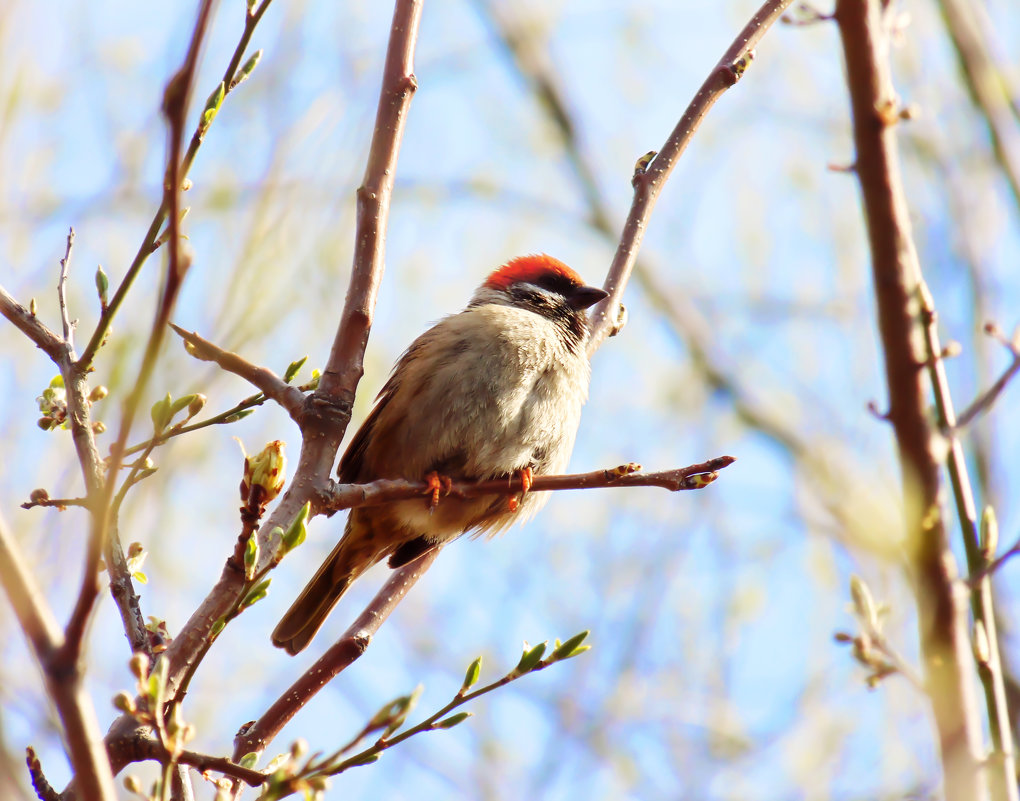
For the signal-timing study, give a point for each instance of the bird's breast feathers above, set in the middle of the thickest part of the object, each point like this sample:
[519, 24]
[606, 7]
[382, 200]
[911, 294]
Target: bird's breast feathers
[482, 393]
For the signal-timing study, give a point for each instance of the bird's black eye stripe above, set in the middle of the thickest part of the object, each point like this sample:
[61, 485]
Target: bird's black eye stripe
[557, 283]
[530, 296]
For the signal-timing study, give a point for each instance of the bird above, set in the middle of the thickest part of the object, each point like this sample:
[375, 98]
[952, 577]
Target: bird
[493, 391]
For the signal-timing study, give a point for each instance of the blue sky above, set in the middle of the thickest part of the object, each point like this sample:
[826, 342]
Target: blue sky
[713, 673]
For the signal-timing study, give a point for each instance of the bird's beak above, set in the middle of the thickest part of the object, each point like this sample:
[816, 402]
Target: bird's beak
[585, 296]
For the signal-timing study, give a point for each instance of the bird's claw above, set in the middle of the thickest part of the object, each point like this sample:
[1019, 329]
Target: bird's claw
[527, 479]
[436, 484]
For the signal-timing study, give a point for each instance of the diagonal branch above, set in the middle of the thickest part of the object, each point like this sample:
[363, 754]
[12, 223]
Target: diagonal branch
[650, 179]
[31, 326]
[343, 653]
[688, 322]
[290, 398]
[985, 400]
[230, 81]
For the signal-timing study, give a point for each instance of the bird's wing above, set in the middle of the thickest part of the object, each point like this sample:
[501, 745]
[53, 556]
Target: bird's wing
[349, 470]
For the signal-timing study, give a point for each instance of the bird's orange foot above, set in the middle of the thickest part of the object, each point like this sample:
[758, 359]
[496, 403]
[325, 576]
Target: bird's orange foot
[527, 479]
[436, 484]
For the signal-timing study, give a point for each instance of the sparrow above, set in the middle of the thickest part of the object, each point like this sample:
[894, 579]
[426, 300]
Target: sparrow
[494, 391]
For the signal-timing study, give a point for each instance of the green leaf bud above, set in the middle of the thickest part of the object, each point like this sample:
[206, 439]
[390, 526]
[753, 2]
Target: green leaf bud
[453, 720]
[297, 530]
[530, 658]
[251, 556]
[293, 368]
[102, 286]
[368, 759]
[160, 413]
[266, 469]
[124, 702]
[864, 605]
[471, 677]
[256, 593]
[989, 536]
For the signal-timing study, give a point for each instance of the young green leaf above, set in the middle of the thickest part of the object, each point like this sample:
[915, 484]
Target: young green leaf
[355, 762]
[297, 530]
[471, 677]
[530, 658]
[570, 647]
[293, 367]
[160, 413]
[181, 403]
[453, 720]
[251, 556]
[256, 593]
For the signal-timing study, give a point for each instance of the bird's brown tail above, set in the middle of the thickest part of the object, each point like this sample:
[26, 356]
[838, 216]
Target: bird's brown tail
[307, 614]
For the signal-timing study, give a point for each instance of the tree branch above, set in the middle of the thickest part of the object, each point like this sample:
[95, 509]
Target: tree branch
[32, 327]
[696, 476]
[327, 411]
[897, 277]
[343, 653]
[147, 747]
[289, 397]
[148, 246]
[63, 681]
[1003, 781]
[65, 264]
[344, 367]
[650, 179]
[984, 401]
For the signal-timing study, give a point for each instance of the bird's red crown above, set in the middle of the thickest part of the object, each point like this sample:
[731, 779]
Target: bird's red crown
[531, 268]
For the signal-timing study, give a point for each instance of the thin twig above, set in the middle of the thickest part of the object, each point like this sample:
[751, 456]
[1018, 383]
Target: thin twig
[289, 397]
[1003, 782]
[650, 179]
[176, 98]
[332, 765]
[344, 652]
[227, 417]
[65, 264]
[56, 503]
[977, 578]
[146, 248]
[43, 789]
[985, 400]
[697, 476]
[32, 327]
[204, 762]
